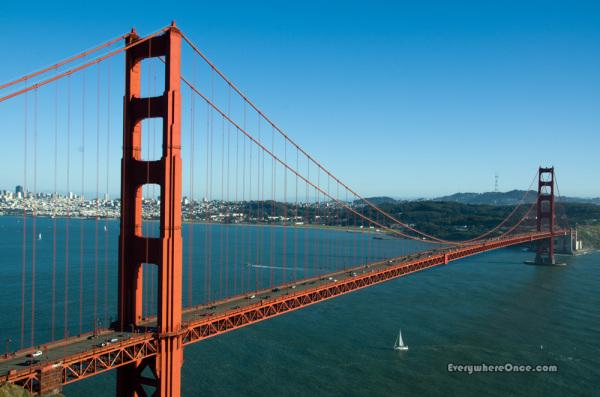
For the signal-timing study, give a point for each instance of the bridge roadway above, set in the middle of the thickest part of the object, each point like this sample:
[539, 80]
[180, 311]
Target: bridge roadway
[76, 358]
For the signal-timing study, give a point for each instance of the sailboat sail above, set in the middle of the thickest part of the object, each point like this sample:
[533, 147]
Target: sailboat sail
[399, 344]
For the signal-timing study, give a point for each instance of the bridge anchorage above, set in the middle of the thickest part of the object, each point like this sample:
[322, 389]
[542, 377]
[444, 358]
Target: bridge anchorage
[147, 352]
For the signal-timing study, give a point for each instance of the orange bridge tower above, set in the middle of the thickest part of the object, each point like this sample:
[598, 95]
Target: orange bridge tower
[163, 370]
[545, 215]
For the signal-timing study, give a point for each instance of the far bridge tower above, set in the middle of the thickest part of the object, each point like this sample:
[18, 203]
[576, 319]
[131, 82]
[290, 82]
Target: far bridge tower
[546, 217]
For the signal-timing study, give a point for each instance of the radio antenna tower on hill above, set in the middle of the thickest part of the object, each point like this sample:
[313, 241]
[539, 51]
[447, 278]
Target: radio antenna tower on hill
[496, 182]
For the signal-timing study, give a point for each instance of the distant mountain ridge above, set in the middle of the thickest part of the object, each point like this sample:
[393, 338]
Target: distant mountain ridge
[488, 198]
[507, 198]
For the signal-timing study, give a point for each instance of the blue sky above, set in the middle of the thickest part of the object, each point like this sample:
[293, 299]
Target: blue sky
[407, 99]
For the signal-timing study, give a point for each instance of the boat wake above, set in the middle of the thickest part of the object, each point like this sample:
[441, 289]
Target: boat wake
[273, 267]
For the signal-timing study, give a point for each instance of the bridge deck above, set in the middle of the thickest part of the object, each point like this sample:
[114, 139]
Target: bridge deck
[81, 357]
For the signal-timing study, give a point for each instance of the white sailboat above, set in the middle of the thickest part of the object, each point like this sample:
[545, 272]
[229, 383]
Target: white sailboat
[40, 236]
[399, 344]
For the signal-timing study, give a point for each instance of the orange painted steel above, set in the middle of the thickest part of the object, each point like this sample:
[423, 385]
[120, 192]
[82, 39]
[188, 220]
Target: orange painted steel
[546, 215]
[142, 349]
[80, 366]
[135, 249]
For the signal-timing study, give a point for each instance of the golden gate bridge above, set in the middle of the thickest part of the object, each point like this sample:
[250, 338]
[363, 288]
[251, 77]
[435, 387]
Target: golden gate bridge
[186, 127]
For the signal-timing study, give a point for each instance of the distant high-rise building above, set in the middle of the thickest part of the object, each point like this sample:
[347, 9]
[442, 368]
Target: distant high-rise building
[19, 191]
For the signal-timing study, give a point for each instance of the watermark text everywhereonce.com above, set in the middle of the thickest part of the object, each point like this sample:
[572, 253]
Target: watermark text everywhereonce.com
[508, 367]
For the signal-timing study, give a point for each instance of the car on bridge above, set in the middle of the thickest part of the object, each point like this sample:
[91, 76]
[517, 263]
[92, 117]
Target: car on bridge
[35, 354]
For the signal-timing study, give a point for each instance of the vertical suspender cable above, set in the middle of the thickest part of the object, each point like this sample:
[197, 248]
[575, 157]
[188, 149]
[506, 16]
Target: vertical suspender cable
[252, 232]
[221, 233]
[243, 227]
[24, 247]
[348, 225]
[82, 199]
[355, 243]
[193, 204]
[97, 215]
[244, 205]
[55, 196]
[34, 215]
[262, 211]
[226, 226]
[210, 188]
[67, 220]
[329, 262]
[315, 228]
[338, 218]
[236, 229]
[296, 253]
[206, 225]
[272, 212]
[108, 121]
[307, 219]
[259, 187]
[285, 214]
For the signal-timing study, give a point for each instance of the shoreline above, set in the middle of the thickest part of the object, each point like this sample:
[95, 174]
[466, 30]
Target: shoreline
[351, 229]
[347, 229]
